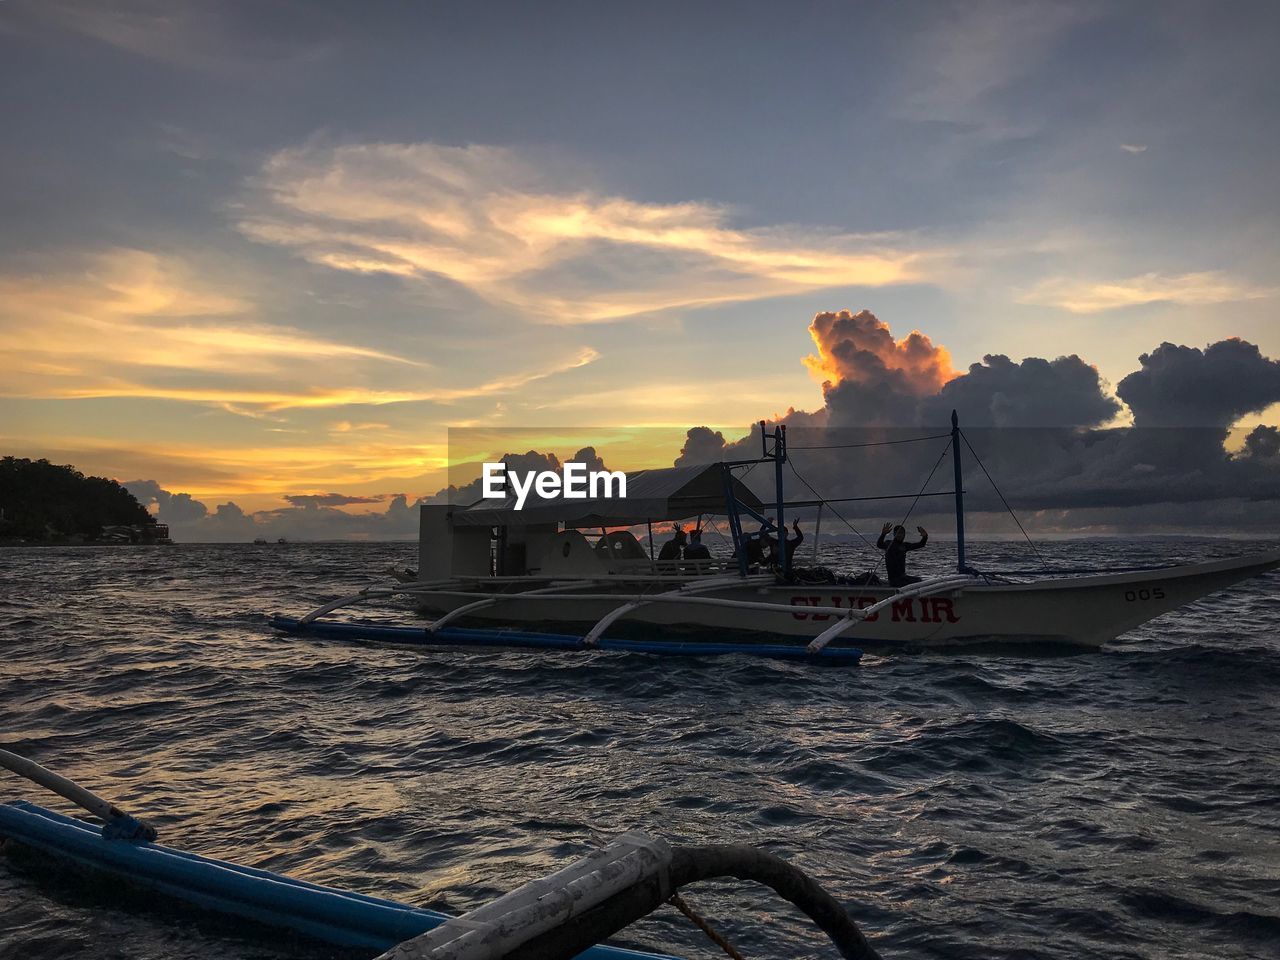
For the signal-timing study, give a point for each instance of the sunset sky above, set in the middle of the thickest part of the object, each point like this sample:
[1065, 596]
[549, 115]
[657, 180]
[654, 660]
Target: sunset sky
[256, 250]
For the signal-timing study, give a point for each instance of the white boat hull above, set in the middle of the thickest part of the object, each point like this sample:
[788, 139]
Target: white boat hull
[1080, 611]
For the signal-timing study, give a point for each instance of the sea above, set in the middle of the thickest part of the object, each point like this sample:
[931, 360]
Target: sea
[1117, 804]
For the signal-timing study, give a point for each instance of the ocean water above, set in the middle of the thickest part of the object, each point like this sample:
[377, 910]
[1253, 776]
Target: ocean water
[1119, 804]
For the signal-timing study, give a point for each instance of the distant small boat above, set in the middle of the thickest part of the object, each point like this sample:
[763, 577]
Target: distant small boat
[259, 541]
[282, 540]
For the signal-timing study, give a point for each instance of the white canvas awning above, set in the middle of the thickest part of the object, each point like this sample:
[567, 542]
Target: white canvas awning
[674, 493]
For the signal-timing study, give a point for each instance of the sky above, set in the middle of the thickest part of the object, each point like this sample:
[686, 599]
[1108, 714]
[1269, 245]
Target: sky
[264, 256]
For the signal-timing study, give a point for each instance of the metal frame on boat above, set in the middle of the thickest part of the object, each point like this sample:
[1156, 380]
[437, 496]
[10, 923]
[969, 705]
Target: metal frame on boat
[505, 571]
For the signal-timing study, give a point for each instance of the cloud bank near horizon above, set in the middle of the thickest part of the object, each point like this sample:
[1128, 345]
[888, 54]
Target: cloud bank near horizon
[1048, 430]
[1051, 431]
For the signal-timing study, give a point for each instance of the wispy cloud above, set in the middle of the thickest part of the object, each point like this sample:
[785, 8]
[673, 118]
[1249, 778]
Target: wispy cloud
[1133, 147]
[1187, 289]
[318, 397]
[967, 55]
[137, 308]
[136, 324]
[484, 218]
[346, 426]
[184, 33]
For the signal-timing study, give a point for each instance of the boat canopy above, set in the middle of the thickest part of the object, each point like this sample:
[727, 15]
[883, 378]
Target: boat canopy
[672, 493]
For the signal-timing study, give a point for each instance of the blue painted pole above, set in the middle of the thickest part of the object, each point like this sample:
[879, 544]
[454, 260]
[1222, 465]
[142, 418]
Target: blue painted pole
[780, 455]
[735, 519]
[959, 488]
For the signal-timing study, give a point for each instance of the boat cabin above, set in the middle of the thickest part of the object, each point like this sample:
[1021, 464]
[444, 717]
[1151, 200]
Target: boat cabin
[586, 538]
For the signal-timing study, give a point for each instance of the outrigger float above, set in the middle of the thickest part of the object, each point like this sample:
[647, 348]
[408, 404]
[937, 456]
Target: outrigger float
[530, 578]
[567, 914]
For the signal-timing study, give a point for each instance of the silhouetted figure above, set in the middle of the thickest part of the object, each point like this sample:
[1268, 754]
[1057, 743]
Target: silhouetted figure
[752, 549]
[671, 551]
[771, 544]
[696, 550]
[895, 553]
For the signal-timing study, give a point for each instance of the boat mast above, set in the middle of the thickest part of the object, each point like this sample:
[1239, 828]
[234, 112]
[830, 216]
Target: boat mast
[779, 458]
[778, 454]
[955, 459]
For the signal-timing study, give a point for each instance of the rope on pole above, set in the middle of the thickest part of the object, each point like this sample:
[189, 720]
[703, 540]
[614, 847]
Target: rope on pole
[713, 935]
[994, 487]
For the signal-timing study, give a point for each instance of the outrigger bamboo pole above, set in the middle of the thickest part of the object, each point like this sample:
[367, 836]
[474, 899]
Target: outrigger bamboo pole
[560, 916]
[116, 823]
[924, 588]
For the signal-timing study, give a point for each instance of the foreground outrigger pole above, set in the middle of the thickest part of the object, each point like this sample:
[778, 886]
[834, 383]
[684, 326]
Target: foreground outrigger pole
[558, 917]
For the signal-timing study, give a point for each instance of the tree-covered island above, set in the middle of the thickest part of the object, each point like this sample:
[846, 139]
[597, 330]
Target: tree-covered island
[43, 502]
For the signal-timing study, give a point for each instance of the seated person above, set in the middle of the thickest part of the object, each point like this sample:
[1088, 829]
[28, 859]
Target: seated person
[671, 551]
[895, 553]
[696, 550]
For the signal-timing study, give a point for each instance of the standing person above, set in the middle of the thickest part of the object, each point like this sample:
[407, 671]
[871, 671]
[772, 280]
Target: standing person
[771, 543]
[895, 553]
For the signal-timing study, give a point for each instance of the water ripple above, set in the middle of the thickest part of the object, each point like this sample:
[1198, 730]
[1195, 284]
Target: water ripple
[1117, 805]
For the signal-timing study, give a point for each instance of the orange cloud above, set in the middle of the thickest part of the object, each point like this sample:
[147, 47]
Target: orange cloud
[134, 319]
[859, 347]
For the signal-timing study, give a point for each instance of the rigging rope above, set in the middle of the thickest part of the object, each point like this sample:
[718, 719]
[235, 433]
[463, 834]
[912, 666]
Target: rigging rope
[876, 443]
[827, 503]
[682, 905]
[941, 457]
[870, 545]
[1032, 545]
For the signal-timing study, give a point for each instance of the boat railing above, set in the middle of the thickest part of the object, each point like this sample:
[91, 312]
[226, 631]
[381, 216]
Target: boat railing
[692, 568]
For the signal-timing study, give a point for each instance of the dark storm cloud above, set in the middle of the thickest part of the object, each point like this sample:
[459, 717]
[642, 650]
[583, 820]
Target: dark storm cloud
[1037, 426]
[1263, 442]
[1186, 386]
[469, 491]
[701, 445]
[329, 500]
[872, 379]
[869, 377]
[306, 518]
[172, 507]
[1034, 393]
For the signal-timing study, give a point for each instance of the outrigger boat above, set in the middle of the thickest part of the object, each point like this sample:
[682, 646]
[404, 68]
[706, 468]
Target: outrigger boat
[531, 578]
